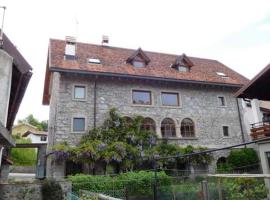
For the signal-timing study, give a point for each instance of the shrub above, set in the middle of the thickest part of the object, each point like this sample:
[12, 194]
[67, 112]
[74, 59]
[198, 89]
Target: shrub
[242, 157]
[136, 183]
[51, 190]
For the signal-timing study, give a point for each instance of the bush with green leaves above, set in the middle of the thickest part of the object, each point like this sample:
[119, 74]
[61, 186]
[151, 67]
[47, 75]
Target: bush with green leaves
[244, 158]
[25, 156]
[135, 183]
[51, 190]
[245, 189]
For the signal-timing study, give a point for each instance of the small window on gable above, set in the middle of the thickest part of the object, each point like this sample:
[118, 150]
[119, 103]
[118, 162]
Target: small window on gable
[138, 59]
[138, 64]
[221, 101]
[182, 68]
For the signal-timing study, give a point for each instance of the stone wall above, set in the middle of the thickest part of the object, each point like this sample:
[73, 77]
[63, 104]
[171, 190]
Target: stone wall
[29, 191]
[197, 102]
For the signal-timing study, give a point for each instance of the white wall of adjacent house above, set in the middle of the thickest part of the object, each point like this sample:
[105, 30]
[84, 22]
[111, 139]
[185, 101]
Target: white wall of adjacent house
[251, 113]
[5, 84]
[36, 138]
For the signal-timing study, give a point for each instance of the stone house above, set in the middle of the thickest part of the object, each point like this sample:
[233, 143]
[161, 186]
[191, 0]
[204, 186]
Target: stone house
[184, 99]
[15, 74]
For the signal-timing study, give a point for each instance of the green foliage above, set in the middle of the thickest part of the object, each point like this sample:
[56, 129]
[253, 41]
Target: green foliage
[123, 142]
[239, 159]
[137, 183]
[51, 190]
[25, 156]
[246, 189]
[30, 119]
[242, 157]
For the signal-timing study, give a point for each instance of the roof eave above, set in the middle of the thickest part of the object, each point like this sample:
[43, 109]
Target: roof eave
[109, 74]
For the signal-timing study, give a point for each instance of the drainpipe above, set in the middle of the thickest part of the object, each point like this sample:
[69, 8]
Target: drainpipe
[1, 152]
[95, 102]
[240, 121]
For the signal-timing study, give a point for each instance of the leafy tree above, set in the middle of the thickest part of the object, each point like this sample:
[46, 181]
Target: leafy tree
[30, 119]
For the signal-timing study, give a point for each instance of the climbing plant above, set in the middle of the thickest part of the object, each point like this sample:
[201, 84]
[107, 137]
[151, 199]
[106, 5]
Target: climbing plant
[125, 144]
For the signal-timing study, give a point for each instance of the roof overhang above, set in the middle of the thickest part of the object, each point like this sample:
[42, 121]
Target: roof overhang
[108, 74]
[257, 88]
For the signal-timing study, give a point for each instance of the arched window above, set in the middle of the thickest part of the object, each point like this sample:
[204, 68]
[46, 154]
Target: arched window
[168, 128]
[187, 128]
[128, 121]
[149, 125]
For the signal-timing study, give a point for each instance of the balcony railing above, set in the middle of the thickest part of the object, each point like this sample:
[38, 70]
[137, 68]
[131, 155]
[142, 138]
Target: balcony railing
[260, 129]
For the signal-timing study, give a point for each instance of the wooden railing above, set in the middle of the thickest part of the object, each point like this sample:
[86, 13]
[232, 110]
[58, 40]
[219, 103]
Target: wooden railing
[260, 129]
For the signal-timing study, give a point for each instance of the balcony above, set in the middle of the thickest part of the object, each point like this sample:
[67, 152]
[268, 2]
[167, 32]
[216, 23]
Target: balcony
[260, 130]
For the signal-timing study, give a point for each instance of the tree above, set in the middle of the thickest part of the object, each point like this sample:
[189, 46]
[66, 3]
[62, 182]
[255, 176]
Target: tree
[30, 119]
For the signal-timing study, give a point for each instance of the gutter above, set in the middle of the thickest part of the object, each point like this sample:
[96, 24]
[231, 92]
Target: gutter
[173, 80]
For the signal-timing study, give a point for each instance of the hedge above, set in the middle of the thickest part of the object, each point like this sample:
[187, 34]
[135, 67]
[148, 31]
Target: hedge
[135, 183]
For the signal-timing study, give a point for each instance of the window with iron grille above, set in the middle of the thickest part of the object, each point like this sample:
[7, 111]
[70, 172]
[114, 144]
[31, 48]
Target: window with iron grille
[149, 125]
[187, 128]
[168, 128]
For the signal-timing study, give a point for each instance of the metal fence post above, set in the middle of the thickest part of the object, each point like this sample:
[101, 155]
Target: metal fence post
[219, 189]
[205, 190]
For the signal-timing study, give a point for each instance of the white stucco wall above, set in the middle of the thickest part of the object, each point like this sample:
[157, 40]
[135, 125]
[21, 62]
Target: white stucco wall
[36, 138]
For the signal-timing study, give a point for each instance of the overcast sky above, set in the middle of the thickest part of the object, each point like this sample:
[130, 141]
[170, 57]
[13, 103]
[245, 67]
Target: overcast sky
[235, 32]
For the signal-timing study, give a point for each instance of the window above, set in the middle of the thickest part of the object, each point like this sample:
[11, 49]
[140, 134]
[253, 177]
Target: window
[225, 131]
[248, 103]
[137, 63]
[266, 117]
[94, 61]
[182, 68]
[43, 138]
[187, 128]
[128, 121]
[141, 97]
[170, 99]
[79, 92]
[168, 128]
[221, 101]
[267, 155]
[78, 124]
[149, 125]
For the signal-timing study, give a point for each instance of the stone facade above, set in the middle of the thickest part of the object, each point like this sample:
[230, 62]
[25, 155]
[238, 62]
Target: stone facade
[197, 102]
[25, 190]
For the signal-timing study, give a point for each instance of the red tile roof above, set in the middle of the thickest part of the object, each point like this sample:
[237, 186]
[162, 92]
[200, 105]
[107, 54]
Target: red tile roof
[114, 61]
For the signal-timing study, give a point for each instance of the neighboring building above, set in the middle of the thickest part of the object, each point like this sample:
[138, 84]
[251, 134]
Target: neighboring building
[257, 89]
[20, 129]
[36, 136]
[254, 111]
[15, 74]
[184, 99]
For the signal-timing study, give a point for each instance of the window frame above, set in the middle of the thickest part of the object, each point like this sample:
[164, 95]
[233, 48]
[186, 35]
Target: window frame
[171, 106]
[42, 137]
[222, 129]
[165, 136]
[194, 128]
[142, 90]
[72, 123]
[224, 100]
[144, 125]
[85, 92]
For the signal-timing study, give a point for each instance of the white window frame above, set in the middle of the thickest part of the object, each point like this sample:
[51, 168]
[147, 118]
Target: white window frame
[73, 92]
[85, 123]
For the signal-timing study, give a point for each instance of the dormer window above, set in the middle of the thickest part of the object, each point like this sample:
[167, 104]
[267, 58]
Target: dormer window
[138, 64]
[182, 68]
[70, 48]
[222, 75]
[138, 59]
[182, 64]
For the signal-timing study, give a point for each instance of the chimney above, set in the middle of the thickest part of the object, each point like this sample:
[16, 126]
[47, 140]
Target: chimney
[105, 40]
[70, 49]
